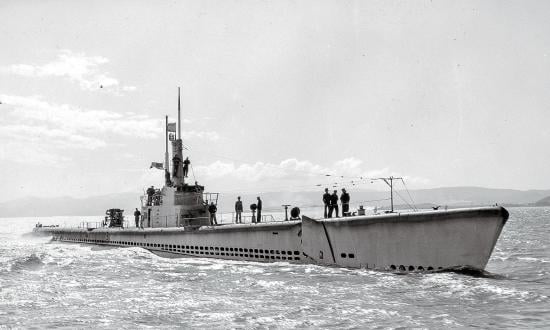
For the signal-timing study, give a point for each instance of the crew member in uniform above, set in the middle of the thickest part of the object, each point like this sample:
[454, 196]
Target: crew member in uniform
[137, 215]
[213, 209]
[326, 201]
[175, 164]
[167, 178]
[333, 204]
[186, 163]
[150, 193]
[344, 198]
[238, 210]
[259, 210]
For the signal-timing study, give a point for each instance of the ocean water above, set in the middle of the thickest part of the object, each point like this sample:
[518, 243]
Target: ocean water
[46, 284]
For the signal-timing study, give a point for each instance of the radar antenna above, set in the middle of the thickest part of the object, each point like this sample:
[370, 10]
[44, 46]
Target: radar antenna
[389, 182]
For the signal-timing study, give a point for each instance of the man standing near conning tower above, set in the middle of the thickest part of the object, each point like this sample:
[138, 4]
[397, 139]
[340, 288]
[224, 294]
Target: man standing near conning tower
[176, 160]
[259, 210]
[212, 209]
[137, 215]
[167, 180]
[150, 193]
[238, 210]
[186, 163]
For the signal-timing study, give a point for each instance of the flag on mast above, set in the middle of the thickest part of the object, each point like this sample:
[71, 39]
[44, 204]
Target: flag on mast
[171, 127]
[157, 165]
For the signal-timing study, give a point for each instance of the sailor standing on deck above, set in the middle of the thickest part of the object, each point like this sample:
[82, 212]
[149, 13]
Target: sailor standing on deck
[344, 198]
[326, 201]
[238, 210]
[333, 204]
[137, 215]
[213, 209]
[259, 210]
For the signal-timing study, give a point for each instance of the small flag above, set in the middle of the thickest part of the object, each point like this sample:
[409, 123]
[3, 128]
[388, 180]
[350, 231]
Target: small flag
[157, 165]
[171, 127]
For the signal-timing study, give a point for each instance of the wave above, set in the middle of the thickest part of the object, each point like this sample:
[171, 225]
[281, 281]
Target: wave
[471, 271]
[31, 262]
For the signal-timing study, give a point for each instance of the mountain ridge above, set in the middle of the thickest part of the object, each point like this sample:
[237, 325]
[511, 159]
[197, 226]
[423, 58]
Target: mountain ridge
[451, 196]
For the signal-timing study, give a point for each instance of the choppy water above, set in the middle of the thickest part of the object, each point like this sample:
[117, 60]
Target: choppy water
[51, 284]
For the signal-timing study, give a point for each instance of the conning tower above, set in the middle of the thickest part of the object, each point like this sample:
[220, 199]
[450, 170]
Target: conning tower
[177, 204]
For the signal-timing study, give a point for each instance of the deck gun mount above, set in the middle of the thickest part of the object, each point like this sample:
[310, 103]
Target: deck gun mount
[114, 218]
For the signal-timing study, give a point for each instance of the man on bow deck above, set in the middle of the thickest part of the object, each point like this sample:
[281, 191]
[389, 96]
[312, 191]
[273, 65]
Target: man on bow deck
[326, 201]
[344, 198]
[333, 204]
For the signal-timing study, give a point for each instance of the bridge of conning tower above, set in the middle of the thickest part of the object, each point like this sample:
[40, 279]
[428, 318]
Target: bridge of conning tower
[178, 203]
[186, 205]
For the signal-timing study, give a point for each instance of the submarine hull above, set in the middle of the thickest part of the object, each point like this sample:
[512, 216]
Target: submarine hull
[413, 241]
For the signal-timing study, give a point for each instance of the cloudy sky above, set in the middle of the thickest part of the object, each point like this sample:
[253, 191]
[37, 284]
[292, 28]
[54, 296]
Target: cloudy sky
[275, 94]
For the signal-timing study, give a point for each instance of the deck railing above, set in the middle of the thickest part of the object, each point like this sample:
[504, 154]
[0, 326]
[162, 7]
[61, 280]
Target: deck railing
[98, 224]
[254, 219]
[171, 221]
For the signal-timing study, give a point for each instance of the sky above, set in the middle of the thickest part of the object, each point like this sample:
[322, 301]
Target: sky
[275, 95]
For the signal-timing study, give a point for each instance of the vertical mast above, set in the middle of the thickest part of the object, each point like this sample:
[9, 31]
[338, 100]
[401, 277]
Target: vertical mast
[179, 110]
[166, 161]
[391, 192]
[177, 152]
[390, 184]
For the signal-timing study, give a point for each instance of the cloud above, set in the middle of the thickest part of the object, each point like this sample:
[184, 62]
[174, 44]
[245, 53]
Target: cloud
[76, 67]
[33, 129]
[212, 136]
[129, 88]
[38, 134]
[19, 152]
[258, 171]
[247, 172]
[34, 112]
[296, 174]
[58, 127]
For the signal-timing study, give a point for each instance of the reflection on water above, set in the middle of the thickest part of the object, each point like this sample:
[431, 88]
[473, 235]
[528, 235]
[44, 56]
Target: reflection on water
[52, 284]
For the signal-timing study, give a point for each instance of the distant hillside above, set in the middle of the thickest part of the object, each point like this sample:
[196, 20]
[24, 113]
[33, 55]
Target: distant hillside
[543, 202]
[478, 195]
[453, 197]
[59, 206]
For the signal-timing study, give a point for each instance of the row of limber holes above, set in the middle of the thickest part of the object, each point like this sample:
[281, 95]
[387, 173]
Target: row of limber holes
[206, 250]
[412, 268]
[236, 252]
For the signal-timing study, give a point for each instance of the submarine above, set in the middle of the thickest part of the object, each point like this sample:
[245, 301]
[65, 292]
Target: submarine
[176, 221]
